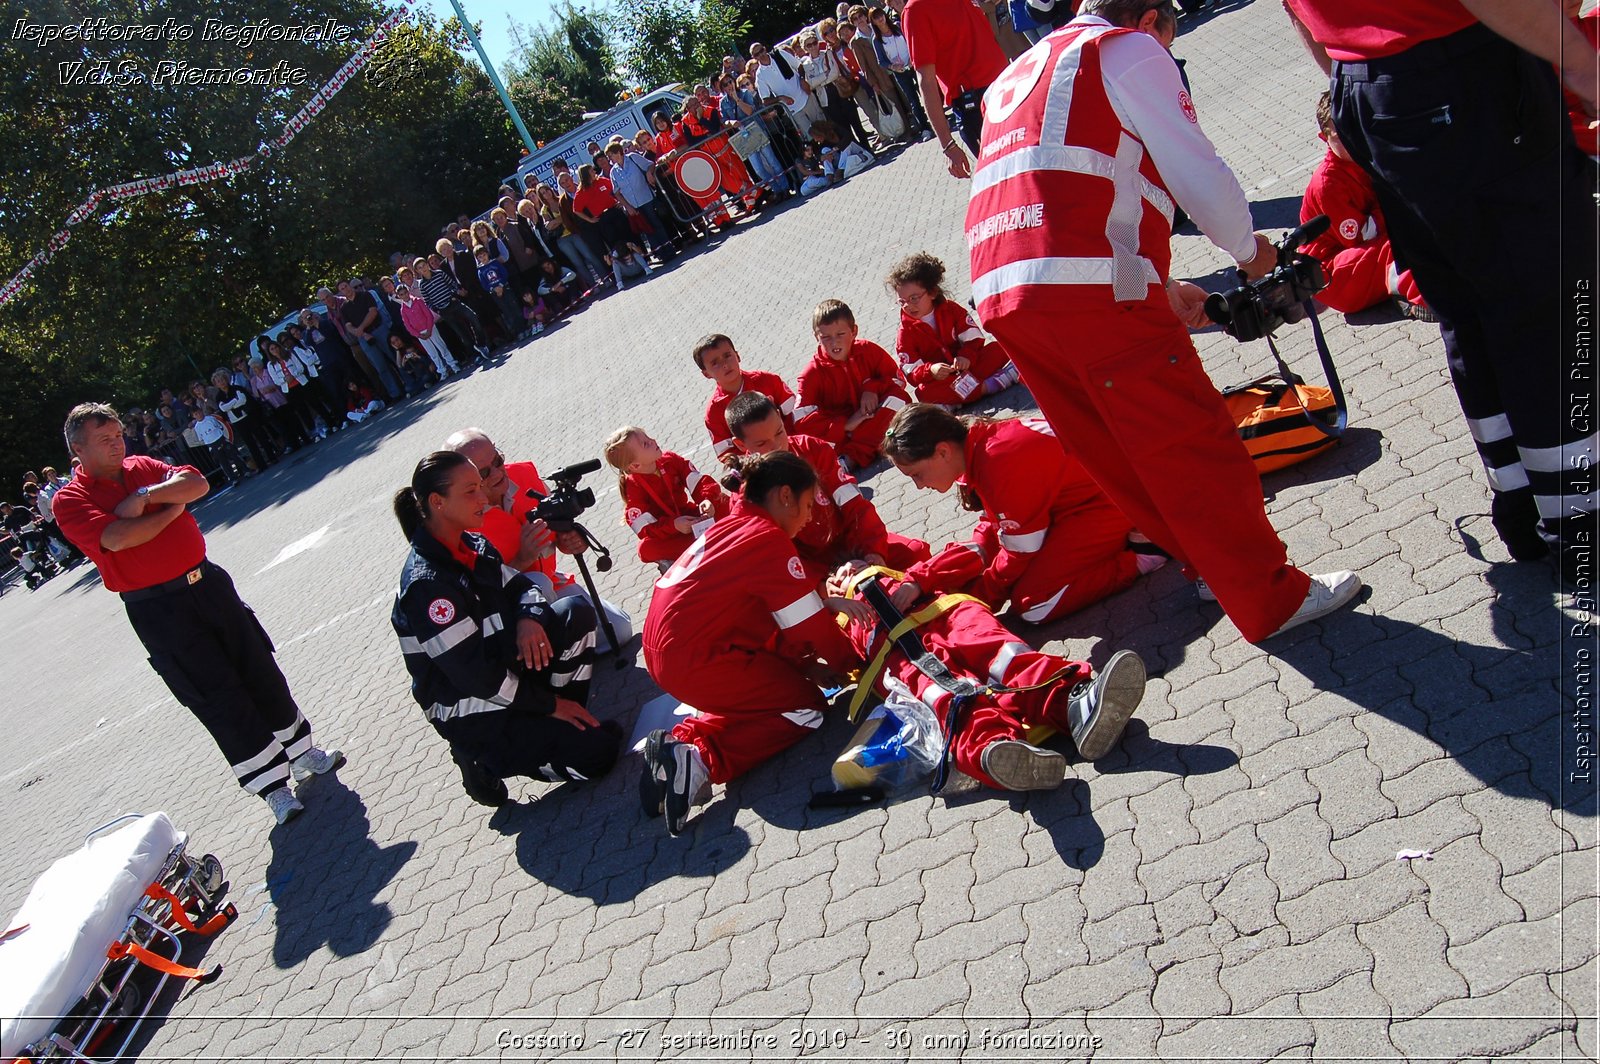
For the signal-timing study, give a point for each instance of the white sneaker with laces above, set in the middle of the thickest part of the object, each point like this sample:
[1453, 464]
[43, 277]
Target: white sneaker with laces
[315, 762]
[1328, 592]
[284, 805]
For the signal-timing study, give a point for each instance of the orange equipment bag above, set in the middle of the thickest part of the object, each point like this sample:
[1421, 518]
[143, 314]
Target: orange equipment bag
[1283, 423]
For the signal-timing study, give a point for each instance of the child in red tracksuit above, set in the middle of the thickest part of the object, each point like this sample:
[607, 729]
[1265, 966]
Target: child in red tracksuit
[845, 527]
[941, 348]
[991, 739]
[1049, 540]
[1355, 253]
[737, 630]
[850, 389]
[664, 496]
[719, 362]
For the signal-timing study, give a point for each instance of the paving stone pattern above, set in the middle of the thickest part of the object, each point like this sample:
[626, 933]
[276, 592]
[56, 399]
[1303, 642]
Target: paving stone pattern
[1222, 886]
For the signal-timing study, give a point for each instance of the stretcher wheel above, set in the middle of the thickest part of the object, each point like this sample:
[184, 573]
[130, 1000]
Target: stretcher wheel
[211, 875]
[128, 1001]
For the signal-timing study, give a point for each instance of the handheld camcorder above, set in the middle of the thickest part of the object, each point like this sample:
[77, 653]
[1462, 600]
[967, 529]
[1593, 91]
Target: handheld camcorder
[561, 506]
[1256, 309]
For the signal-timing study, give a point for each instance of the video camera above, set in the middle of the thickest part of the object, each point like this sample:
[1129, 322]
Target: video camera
[1257, 308]
[561, 506]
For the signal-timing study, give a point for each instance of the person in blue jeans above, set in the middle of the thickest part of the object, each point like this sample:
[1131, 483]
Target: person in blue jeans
[496, 280]
[361, 317]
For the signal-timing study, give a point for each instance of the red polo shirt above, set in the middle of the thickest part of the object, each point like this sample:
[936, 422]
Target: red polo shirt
[1353, 30]
[87, 506]
[954, 38]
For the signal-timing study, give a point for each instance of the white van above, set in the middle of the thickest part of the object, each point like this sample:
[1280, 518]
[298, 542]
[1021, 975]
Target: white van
[625, 119]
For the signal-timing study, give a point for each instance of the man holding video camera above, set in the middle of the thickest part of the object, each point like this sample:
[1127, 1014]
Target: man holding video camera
[1069, 227]
[529, 545]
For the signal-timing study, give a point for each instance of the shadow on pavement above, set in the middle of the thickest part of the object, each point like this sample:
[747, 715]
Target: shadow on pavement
[324, 874]
[287, 478]
[1498, 711]
[592, 843]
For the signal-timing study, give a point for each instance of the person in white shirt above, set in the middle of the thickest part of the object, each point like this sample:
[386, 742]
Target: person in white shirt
[778, 76]
[216, 439]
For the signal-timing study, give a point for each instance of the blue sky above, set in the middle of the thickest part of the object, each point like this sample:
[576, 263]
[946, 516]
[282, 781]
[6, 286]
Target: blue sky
[493, 16]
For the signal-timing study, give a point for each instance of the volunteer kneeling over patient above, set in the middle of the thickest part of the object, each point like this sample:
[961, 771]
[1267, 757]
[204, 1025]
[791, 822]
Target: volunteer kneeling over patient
[1048, 539]
[498, 663]
[737, 630]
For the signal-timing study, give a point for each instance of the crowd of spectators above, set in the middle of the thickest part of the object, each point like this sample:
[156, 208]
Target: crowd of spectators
[796, 118]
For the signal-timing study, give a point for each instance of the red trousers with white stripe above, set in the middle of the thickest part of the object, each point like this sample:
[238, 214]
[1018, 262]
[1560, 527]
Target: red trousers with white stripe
[1125, 389]
[987, 359]
[865, 444]
[971, 642]
[1359, 278]
[751, 705]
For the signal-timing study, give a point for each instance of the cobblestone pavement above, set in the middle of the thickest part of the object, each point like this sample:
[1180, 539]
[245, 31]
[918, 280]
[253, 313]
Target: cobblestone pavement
[1224, 886]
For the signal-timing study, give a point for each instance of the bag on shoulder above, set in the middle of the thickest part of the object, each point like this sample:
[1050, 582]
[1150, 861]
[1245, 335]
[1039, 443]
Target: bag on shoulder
[891, 123]
[1283, 423]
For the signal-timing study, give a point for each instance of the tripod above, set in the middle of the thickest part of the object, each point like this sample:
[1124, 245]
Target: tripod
[603, 563]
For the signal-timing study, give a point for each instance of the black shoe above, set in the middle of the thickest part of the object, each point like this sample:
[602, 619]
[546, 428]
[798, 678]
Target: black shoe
[652, 792]
[1414, 311]
[679, 774]
[481, 785]
[1516, 520]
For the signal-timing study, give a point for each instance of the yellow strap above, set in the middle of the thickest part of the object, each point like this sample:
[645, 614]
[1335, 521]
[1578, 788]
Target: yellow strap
[937, 608]
[870, 572]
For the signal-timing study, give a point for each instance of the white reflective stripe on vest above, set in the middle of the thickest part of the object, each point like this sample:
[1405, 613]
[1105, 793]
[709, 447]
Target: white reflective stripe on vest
[799, 611]
[493, 623]
[640, 523]
[844, 493]
[1065, 159]
[695, 477]
[1078, 271]
[1024, 543]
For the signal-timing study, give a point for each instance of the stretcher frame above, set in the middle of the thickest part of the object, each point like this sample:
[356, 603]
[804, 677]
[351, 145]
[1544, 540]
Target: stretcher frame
[111, 998]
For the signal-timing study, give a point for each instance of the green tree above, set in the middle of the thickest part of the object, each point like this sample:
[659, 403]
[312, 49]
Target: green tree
[667, 41]
[562, 70]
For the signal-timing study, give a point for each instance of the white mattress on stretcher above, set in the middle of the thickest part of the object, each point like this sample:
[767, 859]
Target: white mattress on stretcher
[75, 912]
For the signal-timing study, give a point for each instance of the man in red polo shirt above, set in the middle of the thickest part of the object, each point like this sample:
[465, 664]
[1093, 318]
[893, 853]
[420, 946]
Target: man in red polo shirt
[529, 545]
[1454, 108]
[955, 55]
[130, 515]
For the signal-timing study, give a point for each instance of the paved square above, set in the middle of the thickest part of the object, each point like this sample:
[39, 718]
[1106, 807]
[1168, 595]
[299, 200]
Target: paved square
[1224, 887]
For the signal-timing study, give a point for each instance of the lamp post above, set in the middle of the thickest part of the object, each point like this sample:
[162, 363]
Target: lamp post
[494, 78]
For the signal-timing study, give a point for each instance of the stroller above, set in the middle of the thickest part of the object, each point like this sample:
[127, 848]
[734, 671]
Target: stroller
[85, 959]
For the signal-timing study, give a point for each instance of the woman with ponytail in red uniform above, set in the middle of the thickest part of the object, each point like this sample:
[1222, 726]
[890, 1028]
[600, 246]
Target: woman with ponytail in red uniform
[1049, 539]
[737, 630]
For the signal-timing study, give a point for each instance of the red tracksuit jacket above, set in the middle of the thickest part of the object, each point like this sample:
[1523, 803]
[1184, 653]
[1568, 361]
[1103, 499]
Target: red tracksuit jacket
[752, 380]
[844, 524]
[654, 502]
[739, 589]
[831, 391]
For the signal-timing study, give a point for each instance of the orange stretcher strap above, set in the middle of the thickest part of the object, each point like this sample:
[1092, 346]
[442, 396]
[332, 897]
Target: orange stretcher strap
[154, 960]
[156, 892]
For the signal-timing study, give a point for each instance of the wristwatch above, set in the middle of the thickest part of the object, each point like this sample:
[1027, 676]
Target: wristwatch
[142, 491]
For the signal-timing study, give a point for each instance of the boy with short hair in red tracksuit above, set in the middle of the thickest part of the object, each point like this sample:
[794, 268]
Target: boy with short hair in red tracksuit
[850, 390]
[719, 362]
[844, 525]
[1355, 253]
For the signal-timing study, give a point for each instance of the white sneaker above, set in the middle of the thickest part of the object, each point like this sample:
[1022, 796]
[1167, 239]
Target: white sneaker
[1328, 592]
[284, 805]
[315, 762]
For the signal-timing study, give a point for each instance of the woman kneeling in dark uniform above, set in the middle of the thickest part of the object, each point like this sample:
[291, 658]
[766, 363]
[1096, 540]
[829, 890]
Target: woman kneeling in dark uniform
[499, 665]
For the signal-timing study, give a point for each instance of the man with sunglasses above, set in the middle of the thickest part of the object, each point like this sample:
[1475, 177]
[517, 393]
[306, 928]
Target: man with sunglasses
[526, 545]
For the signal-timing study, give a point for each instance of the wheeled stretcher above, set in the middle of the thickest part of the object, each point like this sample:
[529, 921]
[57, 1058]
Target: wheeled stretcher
[86, 957]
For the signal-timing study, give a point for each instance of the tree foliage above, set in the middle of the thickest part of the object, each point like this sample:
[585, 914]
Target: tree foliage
[775, 20]
[667, 41]
[159, 289]
[560, 71]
